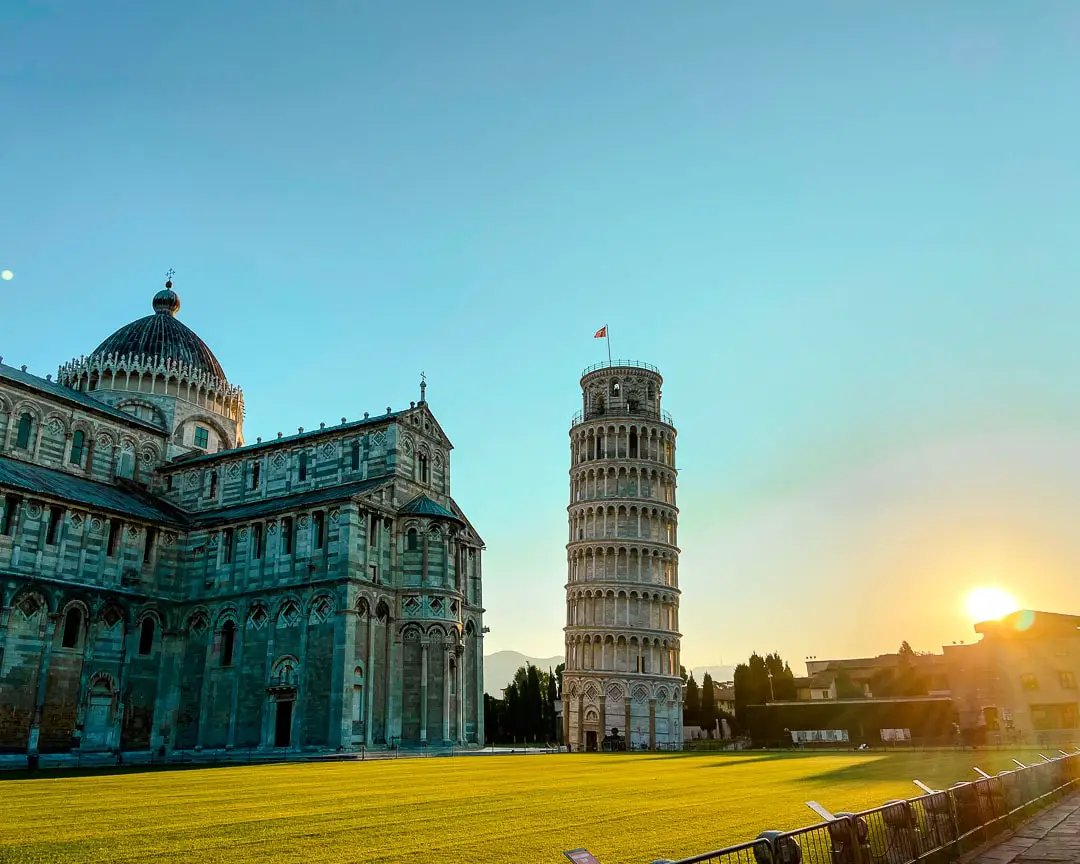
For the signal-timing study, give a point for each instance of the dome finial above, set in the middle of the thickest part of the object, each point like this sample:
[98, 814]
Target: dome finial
[167, 302]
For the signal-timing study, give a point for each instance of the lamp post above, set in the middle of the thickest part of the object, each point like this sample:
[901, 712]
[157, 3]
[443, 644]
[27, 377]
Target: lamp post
[772, 698]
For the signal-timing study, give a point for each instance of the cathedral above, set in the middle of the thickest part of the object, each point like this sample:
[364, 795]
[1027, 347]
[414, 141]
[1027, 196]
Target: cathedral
[165, 585]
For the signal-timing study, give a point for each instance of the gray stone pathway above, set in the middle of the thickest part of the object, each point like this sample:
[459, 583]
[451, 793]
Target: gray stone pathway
[1051, 836]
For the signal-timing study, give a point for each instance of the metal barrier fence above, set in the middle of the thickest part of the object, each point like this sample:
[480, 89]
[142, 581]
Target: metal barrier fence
[904, 831]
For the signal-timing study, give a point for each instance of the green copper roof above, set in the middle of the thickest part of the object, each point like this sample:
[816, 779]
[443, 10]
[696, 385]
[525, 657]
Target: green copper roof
[34, 481]
[421, 505]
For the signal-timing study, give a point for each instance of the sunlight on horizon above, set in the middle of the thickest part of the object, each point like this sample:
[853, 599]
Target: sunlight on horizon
[989, 603]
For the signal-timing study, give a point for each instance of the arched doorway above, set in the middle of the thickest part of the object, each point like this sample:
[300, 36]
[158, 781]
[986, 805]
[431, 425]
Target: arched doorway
[97, 727]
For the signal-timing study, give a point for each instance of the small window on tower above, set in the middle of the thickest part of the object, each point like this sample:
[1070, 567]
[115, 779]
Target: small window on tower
[202, 437]
[255, 475]
[356, 456]
[302, 466]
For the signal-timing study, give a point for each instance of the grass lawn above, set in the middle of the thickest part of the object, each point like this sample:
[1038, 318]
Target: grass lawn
[626, 809]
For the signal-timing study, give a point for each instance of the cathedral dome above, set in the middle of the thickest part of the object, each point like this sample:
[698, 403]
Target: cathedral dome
[163, 338]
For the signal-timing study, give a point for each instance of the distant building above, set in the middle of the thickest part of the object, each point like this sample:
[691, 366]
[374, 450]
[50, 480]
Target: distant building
[1018, 683]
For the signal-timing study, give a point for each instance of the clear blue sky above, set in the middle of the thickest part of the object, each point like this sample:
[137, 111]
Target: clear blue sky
[846, 232]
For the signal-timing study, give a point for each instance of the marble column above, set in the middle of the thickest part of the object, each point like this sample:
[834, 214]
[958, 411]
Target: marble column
[446, 694]
[369, 679]
[423, 691]
[51, 620]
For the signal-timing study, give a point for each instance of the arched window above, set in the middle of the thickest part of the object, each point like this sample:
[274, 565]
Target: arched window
[213, 484]
[72, 628]
[256, 541]
[228, 641]
[286, 535]
[23, 438]
[318, 523]
[356, 456]
[633, 444]
[302, 467]
[255, 469]
[146, 636]
[78, 447]
[411, 540]
[614, 388]
[422, 463]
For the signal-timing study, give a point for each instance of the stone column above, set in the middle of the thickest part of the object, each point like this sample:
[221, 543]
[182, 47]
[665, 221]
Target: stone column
[128, 647]
[626, 712]
[5, 614]
[478, 659]
[234, 696]
[423, 689]
[393, 678]
[301, 690]
[204, 700]
[266, 738]
[342, 688]
[51, 620]
[566, 720]
[581, 721]
[369, 679]
[460, 706]
[446, 694]
[603, 718]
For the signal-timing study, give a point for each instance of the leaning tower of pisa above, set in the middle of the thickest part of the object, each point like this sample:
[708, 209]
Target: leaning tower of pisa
[622, 590]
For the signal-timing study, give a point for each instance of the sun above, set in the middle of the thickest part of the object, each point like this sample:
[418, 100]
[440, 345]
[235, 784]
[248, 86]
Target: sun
[988, 604]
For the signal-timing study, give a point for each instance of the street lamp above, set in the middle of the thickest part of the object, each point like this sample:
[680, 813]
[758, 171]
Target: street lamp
[772, 698]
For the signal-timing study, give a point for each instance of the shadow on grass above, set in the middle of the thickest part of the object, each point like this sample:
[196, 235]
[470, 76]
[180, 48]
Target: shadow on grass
[54, 773]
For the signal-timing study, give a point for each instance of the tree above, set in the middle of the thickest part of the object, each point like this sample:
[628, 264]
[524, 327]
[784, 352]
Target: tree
[558, 674]
[846, 688]
[753, 685]
[692, 705]
[682, 673]
[549, 707]
[707, 715]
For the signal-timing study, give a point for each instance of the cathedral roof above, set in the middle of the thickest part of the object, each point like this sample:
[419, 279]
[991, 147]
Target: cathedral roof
[421, 505]
[162, 337]
[58, 391]
[47, 482]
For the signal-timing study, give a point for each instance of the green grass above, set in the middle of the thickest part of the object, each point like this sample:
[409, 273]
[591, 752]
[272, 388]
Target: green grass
[626, 809]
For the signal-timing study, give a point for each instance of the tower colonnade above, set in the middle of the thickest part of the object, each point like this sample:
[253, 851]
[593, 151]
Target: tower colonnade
[621, 684]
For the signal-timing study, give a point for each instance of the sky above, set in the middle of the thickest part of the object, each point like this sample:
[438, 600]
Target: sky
[845, 232]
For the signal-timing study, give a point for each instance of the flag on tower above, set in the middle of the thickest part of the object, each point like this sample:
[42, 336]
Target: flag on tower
[601, 333]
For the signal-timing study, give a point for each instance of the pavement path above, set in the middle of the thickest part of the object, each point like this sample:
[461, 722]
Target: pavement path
[1049, 837]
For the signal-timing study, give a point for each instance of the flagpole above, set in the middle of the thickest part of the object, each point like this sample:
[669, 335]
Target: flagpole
[607, 336]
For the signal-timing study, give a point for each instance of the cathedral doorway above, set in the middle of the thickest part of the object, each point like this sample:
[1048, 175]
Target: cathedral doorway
[97, 725]
[590, 741]
[283, 723]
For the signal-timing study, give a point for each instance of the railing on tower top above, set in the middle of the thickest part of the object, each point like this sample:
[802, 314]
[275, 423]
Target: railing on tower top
[621, 411]
[611, 364]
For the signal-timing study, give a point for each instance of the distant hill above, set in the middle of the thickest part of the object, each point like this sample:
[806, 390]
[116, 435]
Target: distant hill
[499, 669]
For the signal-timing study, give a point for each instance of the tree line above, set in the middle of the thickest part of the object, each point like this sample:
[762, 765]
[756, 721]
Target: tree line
[526, 713]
